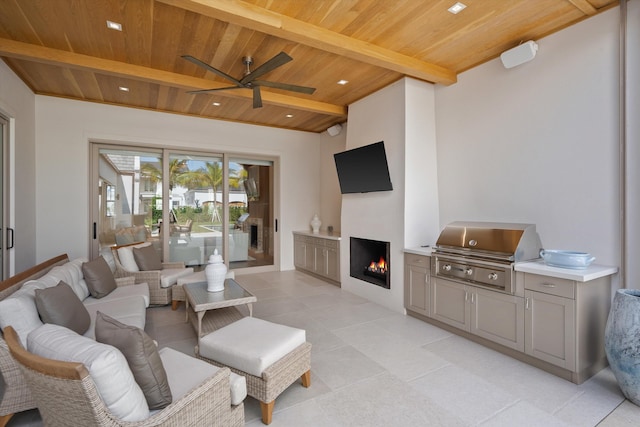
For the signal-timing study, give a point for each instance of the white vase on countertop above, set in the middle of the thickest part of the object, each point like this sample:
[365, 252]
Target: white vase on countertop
[215, 272]
[315, 223]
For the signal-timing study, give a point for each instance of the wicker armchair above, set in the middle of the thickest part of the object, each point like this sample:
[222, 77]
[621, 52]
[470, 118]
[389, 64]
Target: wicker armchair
[158, 294]
[66, 395]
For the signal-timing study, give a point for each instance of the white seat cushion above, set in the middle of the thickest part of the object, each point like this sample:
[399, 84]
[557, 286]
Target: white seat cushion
[130, 311]
[186, 372]
[251, 345]
[123, 292]
[170, 276]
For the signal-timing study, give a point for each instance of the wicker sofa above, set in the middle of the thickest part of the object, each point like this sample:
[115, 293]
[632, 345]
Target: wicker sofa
[66, 393]
[128, 303]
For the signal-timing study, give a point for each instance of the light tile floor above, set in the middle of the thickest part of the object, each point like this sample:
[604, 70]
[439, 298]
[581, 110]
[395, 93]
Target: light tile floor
[374, 367]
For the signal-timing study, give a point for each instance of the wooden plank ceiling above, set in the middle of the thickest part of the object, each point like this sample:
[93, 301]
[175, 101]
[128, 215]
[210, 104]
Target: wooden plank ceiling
[64, 48]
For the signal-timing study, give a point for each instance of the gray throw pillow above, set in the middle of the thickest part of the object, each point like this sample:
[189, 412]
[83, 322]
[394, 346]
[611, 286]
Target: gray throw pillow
[147, 258]
[98, 277]
[61, 306]
[141, 354]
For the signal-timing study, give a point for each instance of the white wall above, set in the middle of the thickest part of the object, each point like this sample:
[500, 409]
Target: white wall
[421, 214]
[17, 103]
[330, 197]
[539, 143]
[65, 127]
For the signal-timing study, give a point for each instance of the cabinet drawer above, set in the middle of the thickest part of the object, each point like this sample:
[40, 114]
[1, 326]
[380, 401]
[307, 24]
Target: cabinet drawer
[417, 260]
[331, 244]
[550, 285]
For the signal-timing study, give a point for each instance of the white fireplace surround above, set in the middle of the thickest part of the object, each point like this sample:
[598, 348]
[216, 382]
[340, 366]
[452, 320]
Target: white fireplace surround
[406, 216]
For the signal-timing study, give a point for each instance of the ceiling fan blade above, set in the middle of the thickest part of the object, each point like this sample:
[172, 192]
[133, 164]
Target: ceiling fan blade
[285, 86]
[278, 60]
[213, 90]
[210, 68]
[257, 99]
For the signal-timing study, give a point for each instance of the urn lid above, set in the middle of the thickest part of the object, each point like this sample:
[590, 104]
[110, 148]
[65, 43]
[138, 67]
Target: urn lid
[215, 258]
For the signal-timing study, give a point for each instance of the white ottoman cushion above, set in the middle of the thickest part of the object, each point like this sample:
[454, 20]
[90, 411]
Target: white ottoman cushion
[170, 276]
[184, 373]
[251, 345]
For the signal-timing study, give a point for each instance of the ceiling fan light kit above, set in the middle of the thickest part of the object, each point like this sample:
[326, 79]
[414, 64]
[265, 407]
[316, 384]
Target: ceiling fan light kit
[248, 81]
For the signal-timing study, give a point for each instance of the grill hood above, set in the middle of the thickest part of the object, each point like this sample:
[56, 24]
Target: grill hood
[503, 241]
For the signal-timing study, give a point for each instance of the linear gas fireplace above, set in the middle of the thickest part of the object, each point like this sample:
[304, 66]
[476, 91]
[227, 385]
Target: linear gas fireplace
[369, 261]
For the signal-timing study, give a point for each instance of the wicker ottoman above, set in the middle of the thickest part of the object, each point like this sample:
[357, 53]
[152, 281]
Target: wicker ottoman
[269, 355]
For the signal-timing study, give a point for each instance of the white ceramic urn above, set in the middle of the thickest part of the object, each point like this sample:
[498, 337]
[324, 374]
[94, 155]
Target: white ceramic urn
[215, 272]
[315, 223]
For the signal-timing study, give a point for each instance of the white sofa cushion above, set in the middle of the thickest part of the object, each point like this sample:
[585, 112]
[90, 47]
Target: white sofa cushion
[251, 345]
[127, 260]
[71, 274]
[19, 310]
[123, 292]
[106, 365]
[170, 276]
[130, 311]
[186, 372]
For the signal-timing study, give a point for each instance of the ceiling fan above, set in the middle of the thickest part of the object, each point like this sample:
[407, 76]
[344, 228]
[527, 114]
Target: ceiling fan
[249, 80]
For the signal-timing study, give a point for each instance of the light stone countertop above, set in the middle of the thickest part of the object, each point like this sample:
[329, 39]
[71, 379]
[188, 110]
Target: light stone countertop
[322, 234]
[594, 271]
[421, 250]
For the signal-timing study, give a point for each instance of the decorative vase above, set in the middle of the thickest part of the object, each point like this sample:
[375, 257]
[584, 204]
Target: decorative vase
[622, 342]
[215, 272]
[315, 223]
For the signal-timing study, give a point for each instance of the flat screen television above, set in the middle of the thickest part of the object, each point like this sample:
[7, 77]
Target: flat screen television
[363, 169]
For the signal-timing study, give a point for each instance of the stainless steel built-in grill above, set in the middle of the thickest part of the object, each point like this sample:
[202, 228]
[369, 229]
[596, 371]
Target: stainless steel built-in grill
[484, 253]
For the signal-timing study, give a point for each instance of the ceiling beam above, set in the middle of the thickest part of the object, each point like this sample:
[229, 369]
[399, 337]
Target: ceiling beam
[65, 59]
[584, 6]
[276, 24]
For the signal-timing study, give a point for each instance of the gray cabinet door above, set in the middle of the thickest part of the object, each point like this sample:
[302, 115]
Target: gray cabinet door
[333, 264]
[498, 317]
[449, 303]
[417, 288]
[550, 328]
[300, 253]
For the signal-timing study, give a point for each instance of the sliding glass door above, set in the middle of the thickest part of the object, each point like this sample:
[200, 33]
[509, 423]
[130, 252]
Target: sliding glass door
[215, 203]
[127, 197]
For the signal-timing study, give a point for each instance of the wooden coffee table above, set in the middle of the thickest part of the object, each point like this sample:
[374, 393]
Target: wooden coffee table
[200, 303]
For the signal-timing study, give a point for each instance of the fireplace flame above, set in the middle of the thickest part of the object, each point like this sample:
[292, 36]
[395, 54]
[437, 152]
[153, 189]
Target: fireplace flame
[379, 267]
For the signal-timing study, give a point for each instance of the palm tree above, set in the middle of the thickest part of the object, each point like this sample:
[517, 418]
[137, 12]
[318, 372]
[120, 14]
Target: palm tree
[177, 168]
[210, 177]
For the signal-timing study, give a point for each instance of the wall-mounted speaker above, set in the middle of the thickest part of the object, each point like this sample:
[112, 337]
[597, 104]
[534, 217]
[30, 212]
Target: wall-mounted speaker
[520, 54]
[334, 130]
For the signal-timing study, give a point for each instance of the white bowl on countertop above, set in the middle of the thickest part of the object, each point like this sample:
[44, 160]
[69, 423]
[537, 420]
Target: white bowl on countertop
[566, 259]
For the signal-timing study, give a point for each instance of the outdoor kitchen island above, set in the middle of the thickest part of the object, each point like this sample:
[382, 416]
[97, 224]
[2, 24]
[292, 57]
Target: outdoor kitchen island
[554, 319]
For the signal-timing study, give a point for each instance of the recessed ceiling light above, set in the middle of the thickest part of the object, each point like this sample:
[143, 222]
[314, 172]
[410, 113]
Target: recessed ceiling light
[114, 25]
[216, 104]
[343, 82]
[123, 88]
[289, 116]
[456, 8]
